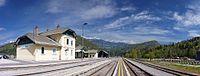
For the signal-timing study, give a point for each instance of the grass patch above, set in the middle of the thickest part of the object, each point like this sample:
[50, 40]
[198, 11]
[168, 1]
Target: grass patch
[179, 67]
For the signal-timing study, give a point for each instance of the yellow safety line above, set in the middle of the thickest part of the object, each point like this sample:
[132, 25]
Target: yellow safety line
[122, 68]
[126, 70]
[118, 69]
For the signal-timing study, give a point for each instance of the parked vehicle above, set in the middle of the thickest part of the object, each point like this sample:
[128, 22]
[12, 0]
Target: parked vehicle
[4, 57]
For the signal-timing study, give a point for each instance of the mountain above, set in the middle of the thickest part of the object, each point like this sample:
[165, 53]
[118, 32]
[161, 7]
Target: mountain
[187, 48]
[107, 44]
[8, 48]
[119, 49]
[87, 43]
[152, 43]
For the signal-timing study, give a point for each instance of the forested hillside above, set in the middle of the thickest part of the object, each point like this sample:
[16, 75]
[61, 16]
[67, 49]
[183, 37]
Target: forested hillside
[121, 51]
[9, 49]
[185, 48]
[107, 44]
[88, 44]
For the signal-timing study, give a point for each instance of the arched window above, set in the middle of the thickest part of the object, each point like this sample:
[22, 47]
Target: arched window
[42, 50]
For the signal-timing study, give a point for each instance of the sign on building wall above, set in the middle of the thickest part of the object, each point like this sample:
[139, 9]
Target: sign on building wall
[25, 46]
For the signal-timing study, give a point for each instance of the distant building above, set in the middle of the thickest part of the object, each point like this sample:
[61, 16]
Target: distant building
[103, 53]
[91, 54]
[56, 44]
[79, 52]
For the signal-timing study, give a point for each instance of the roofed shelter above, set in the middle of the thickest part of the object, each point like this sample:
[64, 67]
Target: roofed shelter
[91, 54]
[103, 53]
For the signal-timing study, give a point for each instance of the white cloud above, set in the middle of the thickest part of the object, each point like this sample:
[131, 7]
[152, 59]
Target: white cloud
[193, 33]
[91, 9]
[178, 28]
[127, 9]
[101, 11]
[191, 17]
[1, 29]
[142, 16]
[54, 7]
[150, 30]
[113, 37]
[145, 15]
[130, 38]
[188, 19]
[2, 2]
[5, 36]
[7, 41]
[118, 23]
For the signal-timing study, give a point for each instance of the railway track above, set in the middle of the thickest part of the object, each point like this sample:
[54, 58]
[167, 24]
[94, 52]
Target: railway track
[24, 66]
[97, 67]
[135, 70]
[37, 70]
[102, 70]
[168, 70]
[48, 71]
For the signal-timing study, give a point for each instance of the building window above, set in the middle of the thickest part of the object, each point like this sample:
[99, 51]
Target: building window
[54, 51]
[67, 41]
[42, 50]
[72, 43]
[66, 51]
[71, 52]
[25, 46]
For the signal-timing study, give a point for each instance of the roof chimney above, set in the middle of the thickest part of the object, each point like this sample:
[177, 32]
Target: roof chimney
[58, 26]
[36, 30]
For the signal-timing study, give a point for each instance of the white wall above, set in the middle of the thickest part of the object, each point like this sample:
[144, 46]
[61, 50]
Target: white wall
[25, 52]
[93, 55]
[96, 55]
[70, 54]
[48, 53]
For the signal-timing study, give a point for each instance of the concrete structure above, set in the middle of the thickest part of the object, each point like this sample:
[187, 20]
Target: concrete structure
[79, 52]
[91, 54]
[56, 44]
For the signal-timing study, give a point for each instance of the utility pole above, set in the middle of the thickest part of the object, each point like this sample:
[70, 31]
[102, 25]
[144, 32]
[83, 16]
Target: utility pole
[83, 38]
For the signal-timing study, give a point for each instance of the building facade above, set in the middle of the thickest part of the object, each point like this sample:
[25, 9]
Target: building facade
[79, 52]
[91, 54]
[56, 44]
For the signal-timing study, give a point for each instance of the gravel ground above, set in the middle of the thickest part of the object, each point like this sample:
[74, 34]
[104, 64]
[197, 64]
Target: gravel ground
[7, 61]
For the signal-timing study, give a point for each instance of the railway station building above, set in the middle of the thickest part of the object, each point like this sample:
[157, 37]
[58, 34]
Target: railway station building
[55, 44]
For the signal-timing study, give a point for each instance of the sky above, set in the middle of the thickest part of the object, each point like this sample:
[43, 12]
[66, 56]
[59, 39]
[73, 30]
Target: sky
[129, 21]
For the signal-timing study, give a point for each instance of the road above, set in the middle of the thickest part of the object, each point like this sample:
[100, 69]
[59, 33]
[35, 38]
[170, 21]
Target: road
[91, 67]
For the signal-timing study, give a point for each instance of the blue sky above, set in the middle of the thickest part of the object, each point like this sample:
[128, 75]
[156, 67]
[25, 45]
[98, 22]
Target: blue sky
[129, 21]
